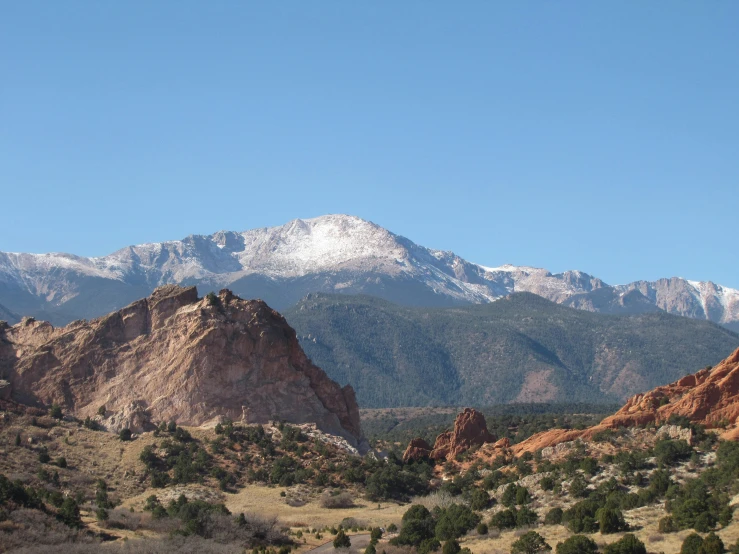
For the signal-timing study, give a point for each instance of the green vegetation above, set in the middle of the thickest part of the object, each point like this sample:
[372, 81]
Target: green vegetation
[628, 544]
[342, 540]
[425, 529]
[577, 544]
[56, 411]
[530, 543]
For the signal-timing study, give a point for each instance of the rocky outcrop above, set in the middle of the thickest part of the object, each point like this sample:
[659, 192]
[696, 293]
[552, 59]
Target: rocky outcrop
[173, 356]
[418, 449]
[470, 429]
[709, 397]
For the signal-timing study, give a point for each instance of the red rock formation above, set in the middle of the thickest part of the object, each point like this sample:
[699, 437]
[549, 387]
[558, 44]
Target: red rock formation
[709, 397]
[418, 449]
[470, 430]
[172, 356]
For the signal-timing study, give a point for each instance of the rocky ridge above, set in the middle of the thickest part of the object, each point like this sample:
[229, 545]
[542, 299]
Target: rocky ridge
[174, 356]
[333, 253]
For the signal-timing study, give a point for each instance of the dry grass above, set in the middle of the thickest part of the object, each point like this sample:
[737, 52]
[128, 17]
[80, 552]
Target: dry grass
[268, 502]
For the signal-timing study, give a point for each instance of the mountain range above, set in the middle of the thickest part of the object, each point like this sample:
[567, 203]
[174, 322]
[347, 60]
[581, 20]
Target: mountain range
[334, 254]
[522, 348]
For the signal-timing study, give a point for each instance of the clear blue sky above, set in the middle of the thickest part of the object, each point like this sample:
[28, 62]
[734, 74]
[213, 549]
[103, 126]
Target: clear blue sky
[601, 136]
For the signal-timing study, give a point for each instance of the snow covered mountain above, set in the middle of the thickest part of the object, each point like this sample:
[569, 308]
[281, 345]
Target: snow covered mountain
[333, 253]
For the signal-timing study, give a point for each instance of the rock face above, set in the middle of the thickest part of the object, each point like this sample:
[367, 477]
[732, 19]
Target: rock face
[709, 397]
[470, 429]
[173, 356]
[418, 449]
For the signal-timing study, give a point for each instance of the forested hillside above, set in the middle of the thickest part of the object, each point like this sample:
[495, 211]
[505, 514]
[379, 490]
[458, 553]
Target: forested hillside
[519, 349]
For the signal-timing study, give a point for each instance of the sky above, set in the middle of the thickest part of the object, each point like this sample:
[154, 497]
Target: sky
[600, 136]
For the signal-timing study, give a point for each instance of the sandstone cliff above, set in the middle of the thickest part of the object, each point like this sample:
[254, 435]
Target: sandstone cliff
[173, 356]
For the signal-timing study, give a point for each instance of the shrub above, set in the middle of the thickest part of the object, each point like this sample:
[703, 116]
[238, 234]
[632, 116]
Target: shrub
[390, 482]
[341, 500]
[91, 424]
[43, 456]
[392, 528]
[56, 411]
[61, 461]
[578, 487]
[577, 544]
[370, 549]
[17, 439]
[509, 495]
[418, 526]
[628, 544]
[610, 521]
[547, 484]
[712, 544]
[479, 499]
[530, 543]
[429, 545]
[669, 452]
[580, 518]
[451, 547]
[482, 529]
[455, 521]
[526, 517]
[69, 513]
[505, 519]
[553, 517]
[522, 496]
[667, 525]
[102, 411]
[125, 434]
[342, 540]
[159, 479]
[692, 544]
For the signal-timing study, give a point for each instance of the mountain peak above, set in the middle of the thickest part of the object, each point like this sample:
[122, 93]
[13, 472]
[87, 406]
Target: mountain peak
[330, 253]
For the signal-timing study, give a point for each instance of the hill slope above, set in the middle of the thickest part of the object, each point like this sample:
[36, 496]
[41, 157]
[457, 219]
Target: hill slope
[334, 254]
[519, 349]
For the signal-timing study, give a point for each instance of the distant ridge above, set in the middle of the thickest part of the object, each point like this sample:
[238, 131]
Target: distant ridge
[334, 254]
[522, 348]
[7, 315]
